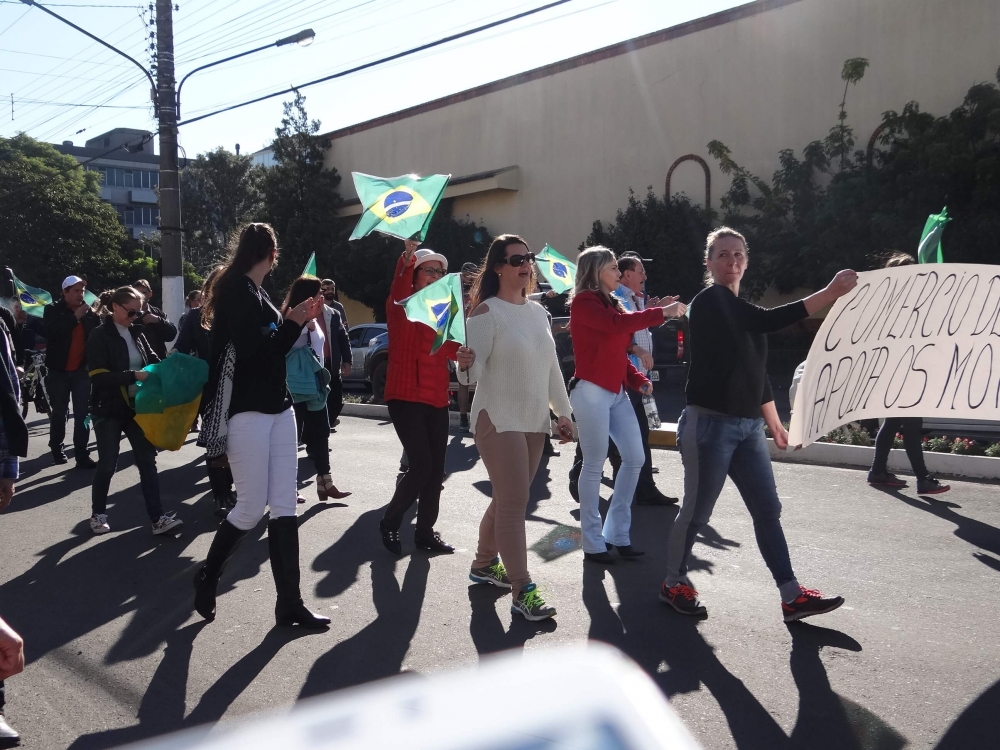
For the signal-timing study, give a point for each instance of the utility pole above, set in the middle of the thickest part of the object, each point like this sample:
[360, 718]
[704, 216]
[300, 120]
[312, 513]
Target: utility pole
[171, 253]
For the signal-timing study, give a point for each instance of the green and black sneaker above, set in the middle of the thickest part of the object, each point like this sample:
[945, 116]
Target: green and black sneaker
[494, 573]
[530, 604]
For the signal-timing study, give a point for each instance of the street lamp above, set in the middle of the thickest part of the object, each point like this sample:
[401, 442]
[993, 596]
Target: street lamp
[304, 38]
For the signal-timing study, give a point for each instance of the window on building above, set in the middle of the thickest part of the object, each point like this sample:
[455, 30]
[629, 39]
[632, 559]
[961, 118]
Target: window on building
[154, 179]
[127, 174]
[144, 178]
[129, 216]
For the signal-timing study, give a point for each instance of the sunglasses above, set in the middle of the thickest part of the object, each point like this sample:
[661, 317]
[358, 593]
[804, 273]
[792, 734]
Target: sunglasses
[518, 260]
[432, 271]
[131, 313]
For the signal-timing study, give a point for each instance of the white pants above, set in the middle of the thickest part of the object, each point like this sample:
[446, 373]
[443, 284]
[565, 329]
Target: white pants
[263, 454]
[600, 413]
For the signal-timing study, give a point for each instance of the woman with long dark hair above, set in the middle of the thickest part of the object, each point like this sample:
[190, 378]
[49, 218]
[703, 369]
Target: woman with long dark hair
[602, 333]
[250, 419]
[311, 414]
[416, 392]
[519, 380]
[117, 350]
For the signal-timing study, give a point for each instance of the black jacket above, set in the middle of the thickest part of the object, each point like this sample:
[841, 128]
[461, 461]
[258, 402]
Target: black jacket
[59, 323]
[193, 339]
[161, 333]
[110, 375]
[10, 410]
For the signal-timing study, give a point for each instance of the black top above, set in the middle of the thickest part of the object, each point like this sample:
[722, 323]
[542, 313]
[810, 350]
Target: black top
[110, 371]
[160, 332]
[193, 339]
[728, 371]
[59, 324]
[244, 315]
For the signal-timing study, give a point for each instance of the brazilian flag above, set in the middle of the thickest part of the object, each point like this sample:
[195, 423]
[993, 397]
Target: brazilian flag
[559, 272]
[310, 269]
[929, 249]
[439, 306]
[398, 206]
[167, 401]
[32, 299]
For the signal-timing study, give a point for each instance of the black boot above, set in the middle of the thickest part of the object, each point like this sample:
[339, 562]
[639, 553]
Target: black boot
[219, 481]
[574, 474]
[8, 737]
[206, 583]
[283, 546]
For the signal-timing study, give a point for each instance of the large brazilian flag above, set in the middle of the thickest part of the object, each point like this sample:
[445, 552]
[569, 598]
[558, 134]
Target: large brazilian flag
[439, 306]
[557, 270]
[167, 401]
[33, 300]
[398, 206]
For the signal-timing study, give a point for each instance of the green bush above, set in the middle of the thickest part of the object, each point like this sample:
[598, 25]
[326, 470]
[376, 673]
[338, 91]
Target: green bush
[993, 450]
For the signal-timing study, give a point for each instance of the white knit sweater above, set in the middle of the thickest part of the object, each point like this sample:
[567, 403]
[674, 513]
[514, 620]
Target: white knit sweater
[516, 368]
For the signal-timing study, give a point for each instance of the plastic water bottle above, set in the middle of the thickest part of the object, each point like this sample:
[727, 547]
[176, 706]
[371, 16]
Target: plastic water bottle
[652, 415]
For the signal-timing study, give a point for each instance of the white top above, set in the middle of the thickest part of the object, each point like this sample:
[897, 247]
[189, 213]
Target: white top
[516, 367]
[317, 338]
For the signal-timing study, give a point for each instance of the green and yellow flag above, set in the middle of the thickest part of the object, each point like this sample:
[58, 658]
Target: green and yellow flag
[310, 269]
[439, 306]
[33, 300]
[398, 206]
[929, 249]
[167, 401]
[89, 298]
[559, 272]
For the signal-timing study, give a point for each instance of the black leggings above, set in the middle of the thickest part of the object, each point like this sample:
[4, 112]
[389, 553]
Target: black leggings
[911, 428]
[314, 429]
[423, 431]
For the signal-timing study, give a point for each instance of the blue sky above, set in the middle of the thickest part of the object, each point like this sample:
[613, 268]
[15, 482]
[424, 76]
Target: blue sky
[46, 65]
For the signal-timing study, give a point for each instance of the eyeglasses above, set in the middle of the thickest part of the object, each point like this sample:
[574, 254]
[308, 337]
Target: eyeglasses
[131, 313]
[518, 260]
[432, 271]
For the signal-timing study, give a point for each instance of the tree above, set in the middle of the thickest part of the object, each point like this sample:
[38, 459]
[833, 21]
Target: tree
[220, 191]
[300, 196]
[669, 231]
[52, 220]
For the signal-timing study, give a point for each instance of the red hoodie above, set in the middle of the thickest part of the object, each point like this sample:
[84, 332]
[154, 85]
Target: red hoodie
[601, 338]
[414, 373]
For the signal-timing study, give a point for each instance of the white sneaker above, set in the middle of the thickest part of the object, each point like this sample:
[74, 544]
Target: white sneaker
[99, 523]
[167, 522]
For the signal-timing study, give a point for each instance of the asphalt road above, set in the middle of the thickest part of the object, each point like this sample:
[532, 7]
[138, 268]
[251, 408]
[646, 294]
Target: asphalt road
[116, 655]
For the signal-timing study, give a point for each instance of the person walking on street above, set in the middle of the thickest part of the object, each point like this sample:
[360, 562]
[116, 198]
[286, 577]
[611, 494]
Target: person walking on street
[911, 429]
[515, 365]
[159, 330]
[602, 332]
[721, 430]
[118, 351]
[250, 418]
[416, 393]
[69, 321]
[631, 294]
[336, 349]
[191, 302]
[309, 399]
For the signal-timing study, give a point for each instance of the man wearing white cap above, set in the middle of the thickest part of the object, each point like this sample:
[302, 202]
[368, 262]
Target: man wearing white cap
[68, 324]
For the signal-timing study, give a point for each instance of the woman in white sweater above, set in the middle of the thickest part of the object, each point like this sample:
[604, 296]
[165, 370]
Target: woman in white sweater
[519, 380]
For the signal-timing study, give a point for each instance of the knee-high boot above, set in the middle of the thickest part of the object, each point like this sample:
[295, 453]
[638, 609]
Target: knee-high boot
[283, 546]
[206, 582]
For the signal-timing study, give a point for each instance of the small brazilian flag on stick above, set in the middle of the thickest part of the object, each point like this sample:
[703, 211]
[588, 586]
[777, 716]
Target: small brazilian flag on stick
[929, 249]
[33, 300]
[310, 269]
[398, 206]
[559, 272]
[439, 306]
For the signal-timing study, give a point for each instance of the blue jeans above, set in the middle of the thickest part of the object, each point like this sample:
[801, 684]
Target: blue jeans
[109, 437]
[61, 386]
[600, 414]
[712, 446]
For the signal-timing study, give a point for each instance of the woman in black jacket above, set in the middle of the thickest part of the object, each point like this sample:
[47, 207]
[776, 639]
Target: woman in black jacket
[117, 350]
[251, 420]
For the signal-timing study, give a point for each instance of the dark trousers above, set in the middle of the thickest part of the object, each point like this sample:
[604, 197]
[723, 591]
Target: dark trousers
[61, 386]
[335, 401]
[423, 431]
[911, 428]
[2, 698]
[314, 429]
[109, 436]
[646, 473]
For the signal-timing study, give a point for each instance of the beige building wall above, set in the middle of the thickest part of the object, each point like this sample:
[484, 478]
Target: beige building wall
[760, 78]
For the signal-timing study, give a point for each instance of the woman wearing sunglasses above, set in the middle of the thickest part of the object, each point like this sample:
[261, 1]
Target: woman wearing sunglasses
[416, 392]
[519, 380]
[602, 334]
[116, 352]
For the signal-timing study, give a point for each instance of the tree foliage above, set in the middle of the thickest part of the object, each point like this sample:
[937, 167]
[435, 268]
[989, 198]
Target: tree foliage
[220, 191]
[828, 209]
[52, 220]
[669, 231]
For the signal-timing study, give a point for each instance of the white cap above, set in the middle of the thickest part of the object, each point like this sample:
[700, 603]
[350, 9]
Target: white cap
[424, 255]
[72, 280]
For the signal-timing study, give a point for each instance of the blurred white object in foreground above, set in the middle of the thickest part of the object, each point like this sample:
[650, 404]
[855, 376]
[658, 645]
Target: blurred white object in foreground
[581, 697]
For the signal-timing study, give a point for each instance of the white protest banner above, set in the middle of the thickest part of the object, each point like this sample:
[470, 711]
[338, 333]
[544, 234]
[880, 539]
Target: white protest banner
[919, 340]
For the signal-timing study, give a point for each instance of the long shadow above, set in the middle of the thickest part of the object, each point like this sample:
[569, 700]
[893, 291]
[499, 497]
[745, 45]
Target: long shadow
[976, 726]
[976, 533]
[379, 649]
[486, 628]
[462, 455]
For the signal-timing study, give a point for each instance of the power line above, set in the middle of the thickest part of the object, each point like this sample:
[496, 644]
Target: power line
[70, 5]
[70, 104]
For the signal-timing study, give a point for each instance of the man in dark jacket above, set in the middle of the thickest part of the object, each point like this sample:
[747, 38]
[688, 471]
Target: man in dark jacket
[158, 330]
[68, 324]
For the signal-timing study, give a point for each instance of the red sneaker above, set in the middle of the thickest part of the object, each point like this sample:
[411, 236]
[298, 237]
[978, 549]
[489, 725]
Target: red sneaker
[682, 598]
[809, 602]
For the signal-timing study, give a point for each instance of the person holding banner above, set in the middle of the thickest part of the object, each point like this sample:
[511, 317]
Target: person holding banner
[721, 430]
[416, 392]
[519, 380]
[602, 332]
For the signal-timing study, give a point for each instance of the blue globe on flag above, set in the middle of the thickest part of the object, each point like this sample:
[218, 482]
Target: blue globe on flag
[27, 299]
[560, 270]
[397, 203]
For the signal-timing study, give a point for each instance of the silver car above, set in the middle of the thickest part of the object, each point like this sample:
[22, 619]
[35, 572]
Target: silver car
[360, 337]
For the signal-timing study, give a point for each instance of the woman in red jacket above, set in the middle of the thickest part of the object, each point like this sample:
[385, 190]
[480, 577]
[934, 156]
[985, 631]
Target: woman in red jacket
[416, 392]
[602, 332]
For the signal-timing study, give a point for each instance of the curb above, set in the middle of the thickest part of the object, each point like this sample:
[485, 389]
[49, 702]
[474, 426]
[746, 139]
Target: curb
[381, 411]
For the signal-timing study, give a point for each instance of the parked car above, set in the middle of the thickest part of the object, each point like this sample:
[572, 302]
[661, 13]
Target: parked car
[377, 363]
[361, 337]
